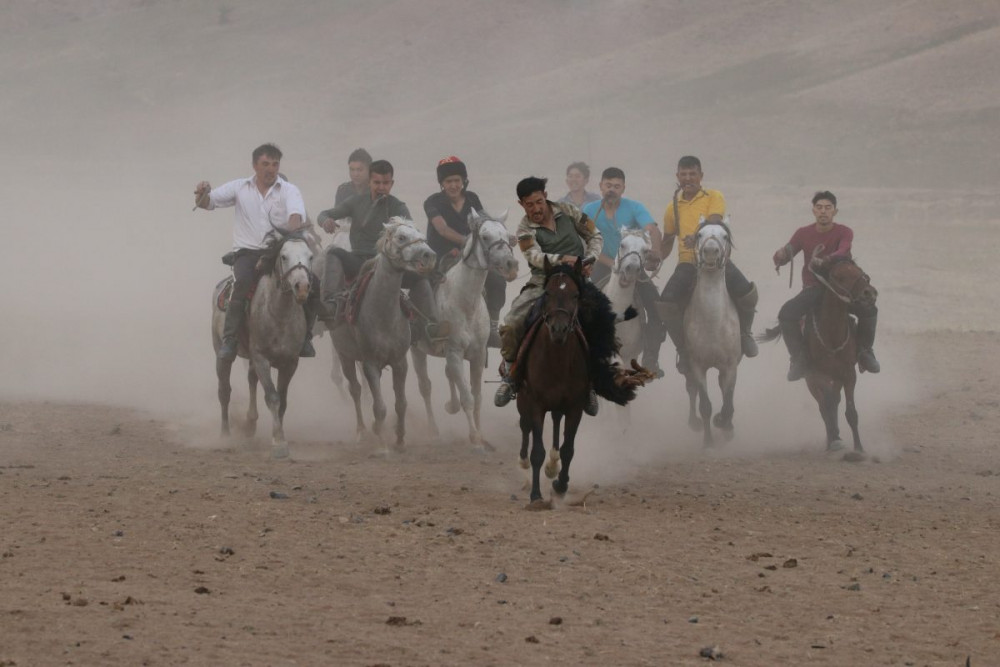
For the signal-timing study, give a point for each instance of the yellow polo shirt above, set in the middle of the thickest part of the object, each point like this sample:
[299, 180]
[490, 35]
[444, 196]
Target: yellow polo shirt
[702, 205]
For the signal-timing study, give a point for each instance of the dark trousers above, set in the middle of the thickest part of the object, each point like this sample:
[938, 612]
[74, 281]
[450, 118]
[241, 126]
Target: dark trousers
[244, 272]
[680, 285]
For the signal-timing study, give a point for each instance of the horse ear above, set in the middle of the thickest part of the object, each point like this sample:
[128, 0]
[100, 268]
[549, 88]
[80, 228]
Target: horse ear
[475, 221]
[502, 218]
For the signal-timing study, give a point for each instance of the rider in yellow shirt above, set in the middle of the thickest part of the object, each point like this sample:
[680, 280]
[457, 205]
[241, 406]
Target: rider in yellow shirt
[690, 205]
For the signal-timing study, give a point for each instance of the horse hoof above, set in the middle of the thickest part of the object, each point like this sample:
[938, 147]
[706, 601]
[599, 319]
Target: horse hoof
[551, 469]
[399, 446]
[452, 408]
[524, 463]
[855, 457]
[835, 445]
[695, 423]
[719, 422]
[538, 505]
[482, 446]
[279, 450]
[559, 487]
[250, 430]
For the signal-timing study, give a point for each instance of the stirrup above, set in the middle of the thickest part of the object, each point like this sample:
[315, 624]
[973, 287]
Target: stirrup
[227, 351]
[796, 369]
[505, 392]
[592, 405]
[867, 361]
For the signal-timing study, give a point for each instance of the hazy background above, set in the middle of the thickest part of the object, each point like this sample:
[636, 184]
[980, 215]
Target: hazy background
[113, 110]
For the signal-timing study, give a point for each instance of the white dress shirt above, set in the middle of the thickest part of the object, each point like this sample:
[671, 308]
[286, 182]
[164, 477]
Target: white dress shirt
[257, 215]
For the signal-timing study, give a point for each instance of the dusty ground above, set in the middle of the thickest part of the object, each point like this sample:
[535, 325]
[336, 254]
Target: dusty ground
[121, 545]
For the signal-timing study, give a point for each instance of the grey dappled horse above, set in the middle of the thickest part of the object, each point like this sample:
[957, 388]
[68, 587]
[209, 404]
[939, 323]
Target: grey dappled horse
[460, 302]
[380, 334]
[712, 331]
[276, 326]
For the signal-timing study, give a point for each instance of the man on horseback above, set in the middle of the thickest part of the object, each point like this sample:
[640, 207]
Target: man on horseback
[369, 213]
[691, 204]
[613, 213]
[577, 177]
[559, 233]
[357, 170]
[264, 202]
[821, 243]
[448, 229]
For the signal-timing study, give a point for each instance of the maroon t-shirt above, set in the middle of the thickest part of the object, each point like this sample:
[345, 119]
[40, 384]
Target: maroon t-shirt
[835, 243]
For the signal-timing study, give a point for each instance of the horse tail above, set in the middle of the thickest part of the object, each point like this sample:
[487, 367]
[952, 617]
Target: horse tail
[769, 335]
[603, 377]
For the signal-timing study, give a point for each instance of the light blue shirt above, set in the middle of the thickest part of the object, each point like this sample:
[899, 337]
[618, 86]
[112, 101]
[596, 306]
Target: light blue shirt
[630, 215]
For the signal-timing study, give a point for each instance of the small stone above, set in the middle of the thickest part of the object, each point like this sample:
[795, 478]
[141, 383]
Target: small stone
[711, 652]
[454, 531]
[80, 602]
[382, 510]
[531, 639]
[692, 619]
[201, 590]
[857, 496]
[278, 495]
[601, 537]
[226, 551]
[501, 578]
[790, 563]
[555, 620]
[854, 587]
[119, 533]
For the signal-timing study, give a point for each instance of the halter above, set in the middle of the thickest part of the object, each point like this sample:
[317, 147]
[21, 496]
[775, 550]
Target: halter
[397, 257]
[283, 276]
[725, 251]
[571, 314]
[642, 276]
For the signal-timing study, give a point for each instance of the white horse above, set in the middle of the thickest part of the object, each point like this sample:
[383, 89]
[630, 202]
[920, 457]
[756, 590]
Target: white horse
[277, 326]
[460, 302]
[341, 238]
[620, 289]
[712, 331]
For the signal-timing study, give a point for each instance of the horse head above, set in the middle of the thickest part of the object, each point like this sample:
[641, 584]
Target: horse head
[489, 245]
[713, 243]
[563, 284]
[405, 247]
[632, 252]
[850, 283]
[291, 268]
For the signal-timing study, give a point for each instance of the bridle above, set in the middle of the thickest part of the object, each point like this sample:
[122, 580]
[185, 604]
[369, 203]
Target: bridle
[725, 252]
[477, 242]
[397, 257]
[283, 275]
[570, 314]
[844, 294]
[642, 276]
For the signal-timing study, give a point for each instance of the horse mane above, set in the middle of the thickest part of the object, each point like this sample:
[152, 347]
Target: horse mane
[597, 320]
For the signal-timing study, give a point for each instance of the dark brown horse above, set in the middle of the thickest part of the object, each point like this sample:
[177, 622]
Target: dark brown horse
[554, 375]
[831, 342]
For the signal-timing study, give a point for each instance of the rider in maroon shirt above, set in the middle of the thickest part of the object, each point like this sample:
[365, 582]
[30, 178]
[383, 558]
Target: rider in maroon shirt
[820, 244]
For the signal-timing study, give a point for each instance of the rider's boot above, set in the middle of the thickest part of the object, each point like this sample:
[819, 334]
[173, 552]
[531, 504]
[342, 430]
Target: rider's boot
[746, 307]
[309, 309]
[866, 339]
[592, 405]
[236, 314]
[795, 342]
[672, 315]
[652, 338]
[506, 391]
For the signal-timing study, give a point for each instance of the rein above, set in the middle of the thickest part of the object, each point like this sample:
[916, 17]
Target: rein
[819, 337]
[477, 242]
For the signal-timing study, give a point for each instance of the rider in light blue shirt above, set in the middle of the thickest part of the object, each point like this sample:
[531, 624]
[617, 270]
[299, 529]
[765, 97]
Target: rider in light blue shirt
[611, 215]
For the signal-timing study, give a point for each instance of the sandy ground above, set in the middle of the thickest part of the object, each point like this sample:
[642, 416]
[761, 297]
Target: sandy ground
[122, 544]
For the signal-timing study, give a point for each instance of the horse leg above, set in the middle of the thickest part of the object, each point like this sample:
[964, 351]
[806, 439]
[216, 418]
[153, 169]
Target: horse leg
[354, 386]
[250, 428]
[399, 370]
[823, 391]
[337, 370]
[552, 467]
[561, 484]
[222, 370]
[833, 441]
[694, 421]
[537, 458]
[285, 372]
[271, 397]
[704, 405]
[454, 403]
[424, 383]
[525, 423]
[373, 375]
[454, 368]
[852, 413]
[476, 366]
[724, 419]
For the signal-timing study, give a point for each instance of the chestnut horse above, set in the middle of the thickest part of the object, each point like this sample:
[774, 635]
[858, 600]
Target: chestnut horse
[831, 342]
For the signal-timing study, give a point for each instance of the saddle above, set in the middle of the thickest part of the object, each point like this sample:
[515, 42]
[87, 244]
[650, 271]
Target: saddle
[353, 294]
[226, 293]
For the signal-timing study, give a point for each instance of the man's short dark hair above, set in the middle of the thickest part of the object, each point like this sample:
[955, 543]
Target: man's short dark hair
[359, 155]
[581, 167]
[381, 167]
[825, 194]
[530, 185]
[270, 150]
[689, 162]
[612, 172]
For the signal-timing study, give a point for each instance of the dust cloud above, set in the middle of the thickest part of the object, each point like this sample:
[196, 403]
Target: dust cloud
[114, 110]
